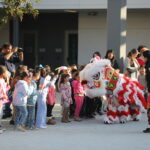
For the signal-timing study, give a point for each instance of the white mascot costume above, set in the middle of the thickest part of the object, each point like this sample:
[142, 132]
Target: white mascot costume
[126, 99]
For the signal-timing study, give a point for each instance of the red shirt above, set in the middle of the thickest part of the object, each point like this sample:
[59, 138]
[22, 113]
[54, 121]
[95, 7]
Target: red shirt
[141, 62]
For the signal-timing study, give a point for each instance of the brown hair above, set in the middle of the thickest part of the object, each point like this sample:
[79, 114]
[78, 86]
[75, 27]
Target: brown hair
[63, 77]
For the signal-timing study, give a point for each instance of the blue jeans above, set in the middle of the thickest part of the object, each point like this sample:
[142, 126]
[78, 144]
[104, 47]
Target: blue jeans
[31, 116]
[21, 115]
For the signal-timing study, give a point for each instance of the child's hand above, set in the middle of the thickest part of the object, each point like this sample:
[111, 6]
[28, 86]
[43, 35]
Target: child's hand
[5, 97]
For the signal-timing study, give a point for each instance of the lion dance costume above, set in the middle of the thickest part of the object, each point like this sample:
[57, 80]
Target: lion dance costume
[126, 100]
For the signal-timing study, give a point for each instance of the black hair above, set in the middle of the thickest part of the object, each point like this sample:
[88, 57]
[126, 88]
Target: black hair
[0, 50]
[97, 53]
[76, 75]
[43, 72]
[2, 69]
[73, 71]
[63, 77]
[110, 51]
[146, 54]
[133, 51]
[129, 54]
[141, 47]
[6, 45]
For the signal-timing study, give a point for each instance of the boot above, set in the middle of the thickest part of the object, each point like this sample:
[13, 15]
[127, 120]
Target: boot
[51, 122]
[63, 119]
[67, 114]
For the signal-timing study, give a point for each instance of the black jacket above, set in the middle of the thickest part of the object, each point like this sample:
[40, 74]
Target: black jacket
[147, 67]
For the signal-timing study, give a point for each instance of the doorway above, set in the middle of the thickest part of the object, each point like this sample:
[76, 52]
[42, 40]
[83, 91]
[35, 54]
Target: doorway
[30, 48]
[71, 54]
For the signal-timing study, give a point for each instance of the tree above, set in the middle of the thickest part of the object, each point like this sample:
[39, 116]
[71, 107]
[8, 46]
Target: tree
[16, 8]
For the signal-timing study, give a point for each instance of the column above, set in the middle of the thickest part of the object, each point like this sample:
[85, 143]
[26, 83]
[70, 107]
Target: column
[116, 28]
[15, 36]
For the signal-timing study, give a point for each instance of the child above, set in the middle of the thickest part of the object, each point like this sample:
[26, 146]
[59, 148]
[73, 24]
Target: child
[20, 96]
[142, 78]
[66, 99]
[32, 101]
[3, 90]
[13, 81]
[42, 97]
[72, 106]
[78, 96]
[51, 102]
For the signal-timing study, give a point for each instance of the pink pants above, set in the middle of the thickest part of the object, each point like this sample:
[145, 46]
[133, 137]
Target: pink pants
[79, 102]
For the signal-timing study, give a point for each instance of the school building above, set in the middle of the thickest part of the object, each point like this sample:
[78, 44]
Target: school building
[69, 31]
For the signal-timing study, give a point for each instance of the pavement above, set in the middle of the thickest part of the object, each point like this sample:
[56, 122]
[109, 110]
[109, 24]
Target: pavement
[89, 134]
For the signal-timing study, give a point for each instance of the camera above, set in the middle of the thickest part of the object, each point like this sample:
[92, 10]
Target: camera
[20, 49]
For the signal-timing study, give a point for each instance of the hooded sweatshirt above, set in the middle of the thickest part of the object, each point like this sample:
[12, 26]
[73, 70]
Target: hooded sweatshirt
[21, 93]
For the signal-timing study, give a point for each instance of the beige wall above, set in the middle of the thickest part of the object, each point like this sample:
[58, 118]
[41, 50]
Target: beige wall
[92, 33]
[92, 36]
[87, 4]
[4, 34]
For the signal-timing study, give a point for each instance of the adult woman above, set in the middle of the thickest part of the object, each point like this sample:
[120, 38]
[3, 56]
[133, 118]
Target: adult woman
[111, 56]
[131, 64]
[140, 57]
[146, 55]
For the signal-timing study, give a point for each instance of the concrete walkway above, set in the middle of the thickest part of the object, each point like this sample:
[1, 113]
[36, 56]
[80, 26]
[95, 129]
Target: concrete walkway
[86, 135]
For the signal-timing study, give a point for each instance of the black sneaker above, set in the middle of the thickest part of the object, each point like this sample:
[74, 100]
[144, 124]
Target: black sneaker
[147, 130]
[12, 122]
[135, 119]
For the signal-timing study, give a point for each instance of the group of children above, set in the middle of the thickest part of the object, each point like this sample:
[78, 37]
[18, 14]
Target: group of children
[33, 95]
[30, 89]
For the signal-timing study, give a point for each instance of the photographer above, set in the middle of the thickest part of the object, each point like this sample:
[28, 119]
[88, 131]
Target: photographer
[17, 56]
[11, 57]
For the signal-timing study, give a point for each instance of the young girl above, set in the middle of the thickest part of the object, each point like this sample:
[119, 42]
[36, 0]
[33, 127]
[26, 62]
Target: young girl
[66, 99]
[42, 97]
[15, 79]
[3, 92]
[78, 96]
[51, 102]
[96, 57]
[30, 122]
[142, 79]
[20, 96]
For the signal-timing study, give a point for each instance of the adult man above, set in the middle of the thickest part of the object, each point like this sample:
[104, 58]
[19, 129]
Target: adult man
[10, 57]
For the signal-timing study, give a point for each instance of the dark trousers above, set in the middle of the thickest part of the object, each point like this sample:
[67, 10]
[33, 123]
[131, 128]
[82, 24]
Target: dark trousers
[72, 108]
[89, 106]
[97, 104]
[49, 110]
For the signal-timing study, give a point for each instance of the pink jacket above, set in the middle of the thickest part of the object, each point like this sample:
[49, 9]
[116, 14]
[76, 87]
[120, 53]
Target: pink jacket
[51, 95]
[77, 87]
[3, 92]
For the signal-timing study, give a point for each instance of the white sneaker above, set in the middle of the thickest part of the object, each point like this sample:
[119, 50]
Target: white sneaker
[43, 127]
[1, 131]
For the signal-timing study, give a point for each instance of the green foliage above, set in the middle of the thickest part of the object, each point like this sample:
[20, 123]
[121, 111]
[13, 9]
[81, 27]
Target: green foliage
[17, 8]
